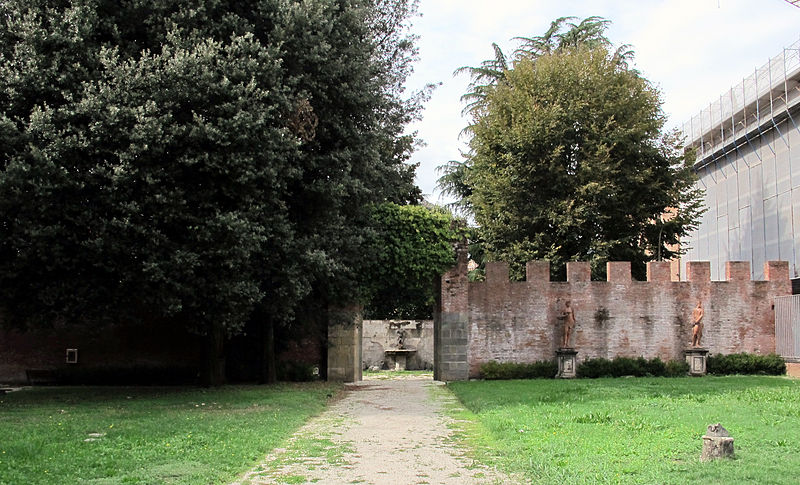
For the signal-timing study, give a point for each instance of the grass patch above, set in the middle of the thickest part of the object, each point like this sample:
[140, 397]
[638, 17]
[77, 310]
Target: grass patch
[314, 448]
[636, 430]
[103, 435]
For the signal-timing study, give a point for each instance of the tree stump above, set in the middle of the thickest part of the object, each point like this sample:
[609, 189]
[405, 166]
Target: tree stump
[717, 443]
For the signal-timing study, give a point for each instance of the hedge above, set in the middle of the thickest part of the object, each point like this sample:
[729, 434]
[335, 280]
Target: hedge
[745, 363]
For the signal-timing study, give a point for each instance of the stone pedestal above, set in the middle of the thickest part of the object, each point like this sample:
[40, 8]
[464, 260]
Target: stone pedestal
[696, 358]
[717, 443]
[396, 359]
[566, 363]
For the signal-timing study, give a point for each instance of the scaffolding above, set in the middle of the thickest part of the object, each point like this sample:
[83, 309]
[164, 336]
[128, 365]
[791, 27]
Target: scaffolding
[751, 108]
[747, 147]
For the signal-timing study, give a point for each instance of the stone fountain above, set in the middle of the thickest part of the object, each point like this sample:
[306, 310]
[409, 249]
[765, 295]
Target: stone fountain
[397, 357]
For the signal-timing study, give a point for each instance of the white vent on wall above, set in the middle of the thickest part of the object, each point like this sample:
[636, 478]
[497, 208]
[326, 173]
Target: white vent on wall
[72, 356]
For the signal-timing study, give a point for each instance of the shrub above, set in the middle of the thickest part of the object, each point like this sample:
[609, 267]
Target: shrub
[627, 366]
[744, 363]
[512, 370]
[295, 371]
[594, 368]
[676, 368]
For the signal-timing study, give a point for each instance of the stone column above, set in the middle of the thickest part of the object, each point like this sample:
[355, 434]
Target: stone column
[451, 323]
[344, 344]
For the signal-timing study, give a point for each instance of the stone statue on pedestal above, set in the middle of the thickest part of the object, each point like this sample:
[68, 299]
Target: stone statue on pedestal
[569, 323]
[697, 324]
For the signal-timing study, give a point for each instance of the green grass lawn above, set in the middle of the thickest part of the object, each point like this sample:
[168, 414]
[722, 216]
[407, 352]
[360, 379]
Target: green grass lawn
[117, 435]
[634, 430]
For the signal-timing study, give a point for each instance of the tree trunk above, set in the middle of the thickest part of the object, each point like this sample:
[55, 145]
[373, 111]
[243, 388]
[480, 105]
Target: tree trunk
[268, 371]
[214, 369]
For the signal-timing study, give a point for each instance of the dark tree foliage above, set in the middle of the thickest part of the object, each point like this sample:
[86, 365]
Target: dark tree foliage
[196, 160]
[568, 160]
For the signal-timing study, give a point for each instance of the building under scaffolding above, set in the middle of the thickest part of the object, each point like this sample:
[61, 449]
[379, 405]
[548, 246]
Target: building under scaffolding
[748, 161]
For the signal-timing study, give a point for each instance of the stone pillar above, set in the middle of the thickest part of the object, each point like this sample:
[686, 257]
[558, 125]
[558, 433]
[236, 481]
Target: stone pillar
[344, 344]
[451, 323]
[567, 365]
[696, 358]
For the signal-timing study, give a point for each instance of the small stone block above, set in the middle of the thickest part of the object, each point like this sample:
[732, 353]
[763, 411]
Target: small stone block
[737, 270]
[537, 271]
[578, 271]
[698, 271]
[658, 271]
[618, 271]
[717, 443]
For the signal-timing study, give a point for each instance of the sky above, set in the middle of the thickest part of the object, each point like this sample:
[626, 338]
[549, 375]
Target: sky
[692, 50]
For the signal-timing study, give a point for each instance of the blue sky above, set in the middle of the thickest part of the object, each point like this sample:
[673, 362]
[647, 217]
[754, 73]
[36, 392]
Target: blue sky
[692, 50]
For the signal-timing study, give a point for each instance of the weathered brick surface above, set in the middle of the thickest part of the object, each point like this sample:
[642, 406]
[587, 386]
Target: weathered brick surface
[519, 321]
[618, 272]
[737, 270]
[659, 271]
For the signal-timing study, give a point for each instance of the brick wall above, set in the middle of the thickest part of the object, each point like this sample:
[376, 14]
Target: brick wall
[519, 321]
[149, 352]
[134, 353]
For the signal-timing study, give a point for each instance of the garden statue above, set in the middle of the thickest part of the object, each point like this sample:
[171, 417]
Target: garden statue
[697, 324]
[401, 337]
[569, 323]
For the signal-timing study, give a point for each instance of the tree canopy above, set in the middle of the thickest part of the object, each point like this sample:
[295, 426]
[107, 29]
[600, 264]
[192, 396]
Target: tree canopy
[196, 160]
[414, 244]
[569, 161]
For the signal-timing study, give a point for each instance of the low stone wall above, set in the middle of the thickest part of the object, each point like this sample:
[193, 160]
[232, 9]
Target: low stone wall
[380, 335]
[506, 321]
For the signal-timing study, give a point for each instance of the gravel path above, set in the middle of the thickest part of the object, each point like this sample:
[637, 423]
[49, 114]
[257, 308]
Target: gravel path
[383, 431]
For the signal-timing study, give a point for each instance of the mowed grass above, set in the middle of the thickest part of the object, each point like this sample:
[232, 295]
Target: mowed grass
[137, 435]
[634, 430]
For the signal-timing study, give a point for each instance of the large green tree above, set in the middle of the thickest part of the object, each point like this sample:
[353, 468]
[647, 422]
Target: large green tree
[414, 245]
[569, 161]
[200, 162]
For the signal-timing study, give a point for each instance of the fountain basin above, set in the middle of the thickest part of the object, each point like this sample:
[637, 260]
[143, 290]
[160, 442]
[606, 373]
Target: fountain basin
[397, 358]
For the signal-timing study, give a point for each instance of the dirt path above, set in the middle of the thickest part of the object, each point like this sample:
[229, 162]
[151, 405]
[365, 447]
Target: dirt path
[383, 431]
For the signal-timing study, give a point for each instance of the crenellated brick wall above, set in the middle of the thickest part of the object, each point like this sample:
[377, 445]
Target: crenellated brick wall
[506, 321]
